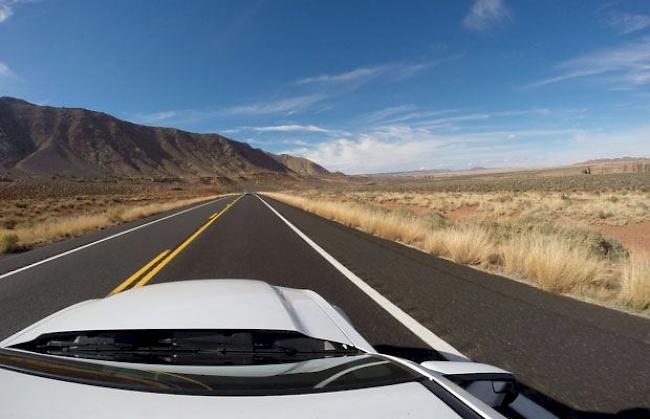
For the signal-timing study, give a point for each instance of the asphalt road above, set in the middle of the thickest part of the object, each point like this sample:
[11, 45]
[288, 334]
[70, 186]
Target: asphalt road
[575, 356]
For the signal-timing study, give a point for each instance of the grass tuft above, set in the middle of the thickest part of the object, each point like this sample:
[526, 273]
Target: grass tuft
[635, 290]
[555, 265]
[8, 242]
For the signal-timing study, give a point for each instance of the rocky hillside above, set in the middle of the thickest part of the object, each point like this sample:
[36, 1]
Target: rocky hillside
[38, 141]
[302, 165]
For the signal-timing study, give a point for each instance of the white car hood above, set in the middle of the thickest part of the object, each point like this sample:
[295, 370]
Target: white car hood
[204, 304]
[58, 400]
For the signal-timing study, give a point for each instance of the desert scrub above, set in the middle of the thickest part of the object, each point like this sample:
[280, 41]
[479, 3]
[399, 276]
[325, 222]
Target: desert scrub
[9, 223]
[8, 242]
[575, 236]
[618, 208]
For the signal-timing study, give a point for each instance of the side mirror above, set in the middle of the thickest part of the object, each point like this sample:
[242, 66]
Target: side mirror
[493, 386]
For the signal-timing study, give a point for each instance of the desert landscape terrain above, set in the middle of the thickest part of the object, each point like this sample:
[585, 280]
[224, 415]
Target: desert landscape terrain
[579, 231]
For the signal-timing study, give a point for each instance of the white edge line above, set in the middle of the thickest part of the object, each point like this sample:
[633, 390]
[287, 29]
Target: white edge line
[522, 404]
[121, 233]
[400, 315]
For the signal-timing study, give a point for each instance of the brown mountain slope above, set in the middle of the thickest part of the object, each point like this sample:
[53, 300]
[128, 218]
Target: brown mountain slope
[302, 165]
[44, 141]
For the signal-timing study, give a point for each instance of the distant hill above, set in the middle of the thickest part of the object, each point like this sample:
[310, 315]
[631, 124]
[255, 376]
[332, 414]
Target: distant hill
[617, 165]
[615, 160]
[38, 141]
[302, 165]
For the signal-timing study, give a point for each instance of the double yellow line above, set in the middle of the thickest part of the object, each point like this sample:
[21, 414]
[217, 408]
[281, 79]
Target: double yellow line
[156, 264]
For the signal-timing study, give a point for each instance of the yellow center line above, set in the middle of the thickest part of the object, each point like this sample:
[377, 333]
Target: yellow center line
[213, 215]
[136, 275]
[183, 245]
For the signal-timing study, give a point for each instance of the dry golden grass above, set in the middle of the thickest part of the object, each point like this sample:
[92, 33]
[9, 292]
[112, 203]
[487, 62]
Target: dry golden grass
[8, 242]
[471, 245]
[554, 265]
[58, 228]
[557, 258]
[635, 290]
[387, 225]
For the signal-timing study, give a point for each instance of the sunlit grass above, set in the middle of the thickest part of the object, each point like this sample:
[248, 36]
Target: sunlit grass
[56, 228]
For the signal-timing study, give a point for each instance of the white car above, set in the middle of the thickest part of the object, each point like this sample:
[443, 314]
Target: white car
[230, 349]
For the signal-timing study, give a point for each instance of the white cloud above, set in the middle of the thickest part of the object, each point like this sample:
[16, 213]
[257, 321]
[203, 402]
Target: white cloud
[287, 105]
[452, 121]
[369, 154]
[5, 12]
[157, 116]
[359, 74]
[391, 72]
[486, 14]
[391, 111]
[5, 71]
[402, 148]
[625, 66]
[625, 23]
[290, 128]
[6, 8]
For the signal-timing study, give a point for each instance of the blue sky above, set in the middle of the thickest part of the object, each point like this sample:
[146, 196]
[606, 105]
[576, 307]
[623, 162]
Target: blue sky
[358, 86]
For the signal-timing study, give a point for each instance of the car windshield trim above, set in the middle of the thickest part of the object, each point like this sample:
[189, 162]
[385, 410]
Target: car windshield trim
[187, 346]
[332, 374]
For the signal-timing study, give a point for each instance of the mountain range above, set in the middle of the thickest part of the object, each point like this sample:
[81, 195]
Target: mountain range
[44, 141]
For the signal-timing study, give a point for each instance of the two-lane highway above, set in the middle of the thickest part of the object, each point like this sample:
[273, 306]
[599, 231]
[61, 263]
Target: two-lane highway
[38, 283]
[588, 357]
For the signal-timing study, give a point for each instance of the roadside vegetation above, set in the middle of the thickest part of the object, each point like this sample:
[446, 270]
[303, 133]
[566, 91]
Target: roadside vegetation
[35, 215]
[551, 240]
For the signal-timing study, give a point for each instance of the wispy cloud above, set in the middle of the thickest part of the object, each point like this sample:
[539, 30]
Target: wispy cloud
[286, 105]
[625, 66]
[625, 23]
[7, 8]
[390, 72]
[157, 117]
[5, 71]
[292, 128]
[359, 74]
[5, 12]
[433, 119]
[486, 14]
[389, 112]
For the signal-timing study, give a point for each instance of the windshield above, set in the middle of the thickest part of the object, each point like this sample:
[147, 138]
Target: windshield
[188, 347]
[316, 375]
